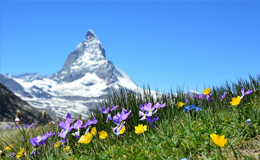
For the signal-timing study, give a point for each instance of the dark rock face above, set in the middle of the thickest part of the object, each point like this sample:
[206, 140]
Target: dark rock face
[90, 34]
[10, 103]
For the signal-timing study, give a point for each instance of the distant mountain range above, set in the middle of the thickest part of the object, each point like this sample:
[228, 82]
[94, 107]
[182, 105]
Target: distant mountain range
[81, 84]
[10, 103]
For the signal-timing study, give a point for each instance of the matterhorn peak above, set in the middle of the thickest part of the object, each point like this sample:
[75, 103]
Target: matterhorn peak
[90, 34]
[89, 53]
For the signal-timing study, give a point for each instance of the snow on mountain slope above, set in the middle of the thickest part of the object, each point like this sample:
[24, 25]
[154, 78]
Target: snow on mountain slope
[81, 84]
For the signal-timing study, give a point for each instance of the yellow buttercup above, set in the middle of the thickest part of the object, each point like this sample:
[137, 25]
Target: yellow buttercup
[236, 101]
[218, 140]
[180, 104]
[206, 91]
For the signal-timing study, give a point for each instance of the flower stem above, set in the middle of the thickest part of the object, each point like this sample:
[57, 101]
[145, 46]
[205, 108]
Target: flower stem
[93, 147]
[220, 152]
[144, 138]
[236, 137]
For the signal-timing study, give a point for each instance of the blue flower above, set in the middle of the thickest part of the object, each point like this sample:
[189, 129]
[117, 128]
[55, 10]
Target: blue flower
[192, 107]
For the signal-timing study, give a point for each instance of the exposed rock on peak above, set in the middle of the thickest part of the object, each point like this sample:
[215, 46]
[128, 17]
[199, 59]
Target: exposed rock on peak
[88, 54]
[90, 34]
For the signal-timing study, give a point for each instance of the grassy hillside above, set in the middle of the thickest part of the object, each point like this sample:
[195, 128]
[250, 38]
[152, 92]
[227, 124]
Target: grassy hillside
[175, 131]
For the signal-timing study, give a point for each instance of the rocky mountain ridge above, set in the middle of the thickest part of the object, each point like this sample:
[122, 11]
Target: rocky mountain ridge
[10, 103]
[78, 87]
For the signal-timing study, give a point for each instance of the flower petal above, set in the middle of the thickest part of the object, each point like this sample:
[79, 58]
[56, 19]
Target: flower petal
[124, 117]
[104, 110]
[62, 125]
[114, 108]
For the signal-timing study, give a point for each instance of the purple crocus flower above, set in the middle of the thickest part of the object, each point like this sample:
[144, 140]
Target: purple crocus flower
[208, 97]
[32, 126]
[77, 126]
[158, 106]
[42, 140]
[187, 100]
[247, 93]
[148, 107]
[33, 152]
[222, 96]
[27, 125]
[119, 120]
[65, 126]
[8, 126]
[151, 121]
[147, 114]
[53, 134]
[141, 107]
[200, 96]
[89, 123]
[63, 141]
[33, 141]
[108, 112]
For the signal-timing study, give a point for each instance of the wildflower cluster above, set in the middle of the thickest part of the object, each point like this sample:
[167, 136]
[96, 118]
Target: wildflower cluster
[236, 100]
[119, 119]
[83, 134]
[15, 127]
[147, 111]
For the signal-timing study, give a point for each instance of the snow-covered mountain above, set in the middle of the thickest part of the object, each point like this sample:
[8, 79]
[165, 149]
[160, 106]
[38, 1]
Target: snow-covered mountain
[82, 82]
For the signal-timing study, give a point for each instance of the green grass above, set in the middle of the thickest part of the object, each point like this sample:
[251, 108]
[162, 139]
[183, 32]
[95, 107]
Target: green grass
[177, 135]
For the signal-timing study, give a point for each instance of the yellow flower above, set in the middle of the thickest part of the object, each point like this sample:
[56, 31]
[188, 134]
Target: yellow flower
[218, 140]
[140, 129]
[8, 148]
[122, 130]
[20, 153]
[66, 149]
[57, 144]
[85, 138]
[236, 101]
[76, 144]
[206, 91]
[103, 134]
[94, 131]
[180, 104]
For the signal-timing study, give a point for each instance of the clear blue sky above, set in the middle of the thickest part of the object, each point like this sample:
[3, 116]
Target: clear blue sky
[164, 44]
